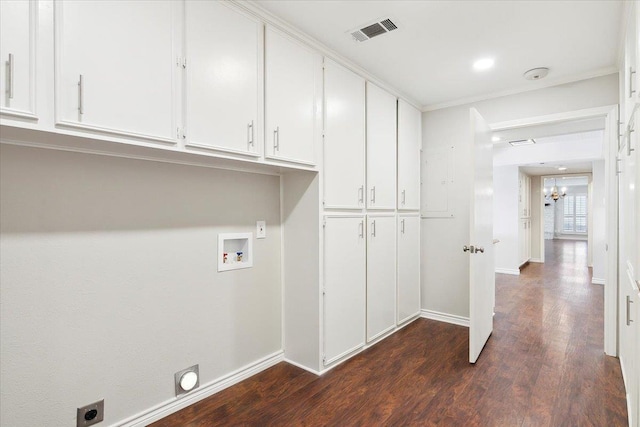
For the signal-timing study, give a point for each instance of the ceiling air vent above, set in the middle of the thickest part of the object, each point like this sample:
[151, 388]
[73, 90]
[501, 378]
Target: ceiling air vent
[379, 27]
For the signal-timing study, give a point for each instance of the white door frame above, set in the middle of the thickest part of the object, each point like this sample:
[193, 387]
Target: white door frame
[610, 149]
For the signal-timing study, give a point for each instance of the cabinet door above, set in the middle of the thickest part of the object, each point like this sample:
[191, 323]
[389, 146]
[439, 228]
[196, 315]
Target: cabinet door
[115, 67]
[293, 88]
[629, 346]
[409, 143]
[408, 267]
[223, 73]
[381, 275]
[381, 148]
[344, 286]
[344, 138]
[17, 54]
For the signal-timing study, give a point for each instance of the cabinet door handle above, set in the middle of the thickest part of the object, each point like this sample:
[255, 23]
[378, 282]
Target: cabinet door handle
[361, 229]
[373, 194]
[629, 149]
[404, 196]
[10, 76]
[631, 89]
[361, 194]
[276, 139]
[373, 228]
[402, 226]
[80, 95]
[629, 302]
[618, 171]
[250, 132]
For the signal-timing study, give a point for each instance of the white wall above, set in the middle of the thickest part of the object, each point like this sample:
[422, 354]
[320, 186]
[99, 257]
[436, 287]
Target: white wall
[537, 221]
[109, 281]
[445, 268]
[506, 218]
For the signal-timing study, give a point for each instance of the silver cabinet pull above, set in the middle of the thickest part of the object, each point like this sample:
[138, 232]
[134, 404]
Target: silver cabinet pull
[466, 248]
[618, 171]
[480, 249]
[373, 194]
[629, 302]
[250, 132]
[402, 226]
[361, 194]
[404, 196]
[361, 229]
[631, 89]
[629, 149]
[10, 76]
[276, 139]
[80, 95]
[373, 228]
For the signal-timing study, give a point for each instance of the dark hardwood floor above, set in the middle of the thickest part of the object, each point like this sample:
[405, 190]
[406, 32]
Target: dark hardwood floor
[544, 365]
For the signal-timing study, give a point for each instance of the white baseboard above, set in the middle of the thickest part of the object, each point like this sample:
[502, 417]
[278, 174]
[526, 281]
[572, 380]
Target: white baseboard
[298, 365]
[174, 405]
[538, 260]
[514, 272]
[444, 317]
[597, 281]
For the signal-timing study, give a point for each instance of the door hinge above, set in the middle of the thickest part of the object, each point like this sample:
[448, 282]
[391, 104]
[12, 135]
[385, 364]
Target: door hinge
[181, 133]
[324, 359]
[181, 62]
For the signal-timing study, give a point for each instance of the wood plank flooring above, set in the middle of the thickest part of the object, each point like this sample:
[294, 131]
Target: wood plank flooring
[544, 365]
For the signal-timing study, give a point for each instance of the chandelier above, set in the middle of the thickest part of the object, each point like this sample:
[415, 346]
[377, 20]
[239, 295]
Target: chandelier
[555, 194]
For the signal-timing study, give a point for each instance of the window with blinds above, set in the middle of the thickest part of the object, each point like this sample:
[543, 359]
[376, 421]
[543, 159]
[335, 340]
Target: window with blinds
[575, 213]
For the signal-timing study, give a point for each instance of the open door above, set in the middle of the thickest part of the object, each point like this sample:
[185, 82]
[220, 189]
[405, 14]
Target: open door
[480, 248]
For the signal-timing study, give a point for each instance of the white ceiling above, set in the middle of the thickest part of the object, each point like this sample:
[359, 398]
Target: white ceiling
[551, 168]
[430, 57]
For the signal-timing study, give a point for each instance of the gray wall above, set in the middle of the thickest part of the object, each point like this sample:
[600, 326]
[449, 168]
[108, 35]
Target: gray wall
[109, 281]
[445, 268]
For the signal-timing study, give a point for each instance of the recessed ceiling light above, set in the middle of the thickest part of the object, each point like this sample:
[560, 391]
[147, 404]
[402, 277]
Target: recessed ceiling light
[495, 138]
[483, 64]
[562, 168]
[522, 142]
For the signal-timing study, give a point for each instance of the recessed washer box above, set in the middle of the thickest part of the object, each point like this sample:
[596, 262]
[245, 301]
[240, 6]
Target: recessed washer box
[235, 251]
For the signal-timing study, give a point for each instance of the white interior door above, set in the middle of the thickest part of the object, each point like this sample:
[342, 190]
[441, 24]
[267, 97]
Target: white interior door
[480, 249]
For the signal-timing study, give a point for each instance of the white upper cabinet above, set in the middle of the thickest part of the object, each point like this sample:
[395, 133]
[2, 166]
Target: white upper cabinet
[344, 286]
[344, 149]
[293, 95]
[223, 78]
[408, 267]
[381, 148]
[18, 20]
[409, 144]
[381, 275]
[115, 67]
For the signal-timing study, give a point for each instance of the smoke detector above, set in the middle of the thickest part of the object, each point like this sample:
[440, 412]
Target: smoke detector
[373, 29]
[536, 73]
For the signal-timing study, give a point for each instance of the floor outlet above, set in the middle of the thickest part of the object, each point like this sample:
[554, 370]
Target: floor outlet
[90, 414]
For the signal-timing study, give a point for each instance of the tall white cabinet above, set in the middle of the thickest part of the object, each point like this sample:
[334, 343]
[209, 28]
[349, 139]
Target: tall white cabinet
[293, 97]
[115, 65]
[344, 142]
[524, 212]
[408, 265]
[381, 148]
[409, 146]
[223, 81]
[18, 33]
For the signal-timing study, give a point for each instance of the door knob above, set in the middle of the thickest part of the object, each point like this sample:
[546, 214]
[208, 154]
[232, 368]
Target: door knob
[465, 248]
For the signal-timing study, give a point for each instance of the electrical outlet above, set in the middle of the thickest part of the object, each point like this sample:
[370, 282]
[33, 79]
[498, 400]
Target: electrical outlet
[90, 414]
[261, 229]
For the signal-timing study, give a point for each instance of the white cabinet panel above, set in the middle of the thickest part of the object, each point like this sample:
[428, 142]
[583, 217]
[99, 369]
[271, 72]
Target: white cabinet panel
[344, 286]
[115, 66]
[409, 143]
[293, 89]
[223, 74]
[381, 148]
[344, 149]
[381, 275]
[408, 267]
[17, 55]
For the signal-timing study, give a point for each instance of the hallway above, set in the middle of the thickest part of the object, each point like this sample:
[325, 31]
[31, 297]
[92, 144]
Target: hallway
[543, 366]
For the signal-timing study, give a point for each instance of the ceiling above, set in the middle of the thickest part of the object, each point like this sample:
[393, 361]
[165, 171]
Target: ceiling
[566, 181]
[429, 58]
[544, 132]
[551, 168]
